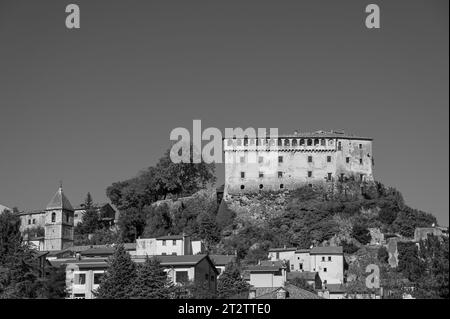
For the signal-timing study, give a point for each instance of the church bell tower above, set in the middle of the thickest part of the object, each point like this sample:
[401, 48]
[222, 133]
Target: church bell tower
[58, 223]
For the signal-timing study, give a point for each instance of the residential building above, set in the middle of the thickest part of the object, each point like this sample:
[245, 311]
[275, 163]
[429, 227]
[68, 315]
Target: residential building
[83, 274]
[267, 274]
[169, 245]
[328, 262]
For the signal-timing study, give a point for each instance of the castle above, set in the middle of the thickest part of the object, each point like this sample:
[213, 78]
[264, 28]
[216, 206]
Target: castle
[290, 161]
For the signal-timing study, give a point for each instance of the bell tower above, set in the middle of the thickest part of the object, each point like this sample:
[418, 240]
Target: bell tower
[58, 223]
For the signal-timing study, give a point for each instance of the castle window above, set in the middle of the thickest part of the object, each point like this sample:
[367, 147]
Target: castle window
[280, 174]
[323, 258]
[339, 146]
[34, 221]
[245, 141]
[342, 177]
[325, 269]
[329, 176]
[309, 159]
[279, 142]
[316, 141]
[53, 217]
[261, 174]
[329, 159]
[280, 159]
[322, 142]
[360, 161]
[242, 174]
[29, 222]
[361, 177]
[302, 141]
[281, 186]
[309, 142]
[242, 186]
[261, 186]
[309, 173]
[360, 146]
[164, 242]
[329, 258]
[67, 218]
[347, 160]
[174, 242]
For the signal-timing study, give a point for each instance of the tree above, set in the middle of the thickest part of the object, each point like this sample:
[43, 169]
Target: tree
[119, 278]
[156, 182]
[208, 230]
[90, 221]
[54, 285]
[361, 233]
[230, 283]
[151, 281]
[131, 224]
[383, 254]
[19, 271]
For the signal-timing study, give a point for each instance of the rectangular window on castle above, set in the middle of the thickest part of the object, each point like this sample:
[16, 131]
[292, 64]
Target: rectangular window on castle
[322, 142]
[328, 159]
[261, 174]
[242, 174]
[280, 174]
[347, 160]
[280, 159]
[360, 161]
[360, 146]
[329, 176]
[309, 159]
[309, 173]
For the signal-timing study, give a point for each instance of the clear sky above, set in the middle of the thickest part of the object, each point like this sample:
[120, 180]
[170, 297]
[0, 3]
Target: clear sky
[95, 105]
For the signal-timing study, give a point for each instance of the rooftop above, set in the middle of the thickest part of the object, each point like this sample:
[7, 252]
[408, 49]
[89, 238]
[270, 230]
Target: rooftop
[330, 250]
[307, 275]
[170, 237]
[282, 249]
[222, 260]
[59, 201]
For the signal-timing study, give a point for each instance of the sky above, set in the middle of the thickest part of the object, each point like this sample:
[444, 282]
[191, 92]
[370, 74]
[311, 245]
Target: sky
[95, 105]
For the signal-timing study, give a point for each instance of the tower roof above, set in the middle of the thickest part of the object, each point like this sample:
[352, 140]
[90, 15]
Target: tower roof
[59, 201]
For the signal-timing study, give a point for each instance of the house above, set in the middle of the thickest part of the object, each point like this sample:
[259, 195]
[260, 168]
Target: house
[183, 269]
[267, 274]
[289, 291]
[169, 245]
[311, 278]
[333, 291]
[328, 262]
[84, 274]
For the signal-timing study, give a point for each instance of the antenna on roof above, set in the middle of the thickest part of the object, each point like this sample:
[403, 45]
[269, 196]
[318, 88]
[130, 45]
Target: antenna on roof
[60, 184]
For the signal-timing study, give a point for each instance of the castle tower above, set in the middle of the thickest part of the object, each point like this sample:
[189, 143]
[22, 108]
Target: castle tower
[58, 223]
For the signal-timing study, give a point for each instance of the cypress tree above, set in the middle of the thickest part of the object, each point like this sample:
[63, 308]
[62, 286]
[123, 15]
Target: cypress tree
[151, 281]
[230, 283]
[119, 278]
